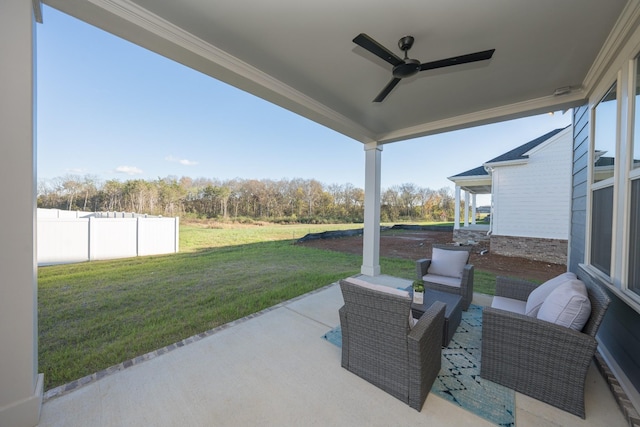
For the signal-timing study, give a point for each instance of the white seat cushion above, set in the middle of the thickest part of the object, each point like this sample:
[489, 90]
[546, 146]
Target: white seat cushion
[448, 263]
[509, 304]
[568, 305]
[454, 282]
[539, 294]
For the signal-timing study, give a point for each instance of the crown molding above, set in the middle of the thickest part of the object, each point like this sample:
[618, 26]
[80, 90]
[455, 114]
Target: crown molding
[506, 112]
[625, 25]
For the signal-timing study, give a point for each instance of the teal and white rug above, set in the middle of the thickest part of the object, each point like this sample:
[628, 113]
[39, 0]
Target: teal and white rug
[459, 379]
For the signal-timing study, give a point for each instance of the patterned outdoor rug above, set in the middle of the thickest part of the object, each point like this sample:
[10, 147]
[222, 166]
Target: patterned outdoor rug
[459, 379]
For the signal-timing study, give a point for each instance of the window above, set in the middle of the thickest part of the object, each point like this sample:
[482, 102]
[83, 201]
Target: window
[635, 153]
[634, 240]
[633, 274]
[601, 229]
[604, 153]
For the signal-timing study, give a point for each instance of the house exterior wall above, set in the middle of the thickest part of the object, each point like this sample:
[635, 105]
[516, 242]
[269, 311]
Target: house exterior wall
[531, 203]
[533, 199]
[545, 250]
[619, 339]
[579, 179]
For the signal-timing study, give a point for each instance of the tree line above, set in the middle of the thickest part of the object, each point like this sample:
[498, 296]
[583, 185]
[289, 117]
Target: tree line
[284, 200]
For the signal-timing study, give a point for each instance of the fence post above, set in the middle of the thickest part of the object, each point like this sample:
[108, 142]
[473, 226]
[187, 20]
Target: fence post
[177, 234]
[137, 236]
[90, 242]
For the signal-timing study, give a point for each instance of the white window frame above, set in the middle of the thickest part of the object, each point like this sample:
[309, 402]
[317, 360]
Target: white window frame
[623, 74]
[609, 182]
[630, 174]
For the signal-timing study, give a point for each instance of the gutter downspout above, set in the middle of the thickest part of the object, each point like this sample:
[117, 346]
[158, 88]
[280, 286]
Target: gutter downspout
[489, 170]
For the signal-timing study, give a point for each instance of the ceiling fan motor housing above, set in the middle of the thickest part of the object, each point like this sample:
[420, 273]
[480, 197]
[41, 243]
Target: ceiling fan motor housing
[408, 69]
[410, 66]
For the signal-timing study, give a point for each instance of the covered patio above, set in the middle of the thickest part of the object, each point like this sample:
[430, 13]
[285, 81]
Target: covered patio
[472, 182]
[275, 369]
[549, 56]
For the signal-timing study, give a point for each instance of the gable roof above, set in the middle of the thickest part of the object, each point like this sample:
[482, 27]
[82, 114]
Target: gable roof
[480, 170]
[477, 180]
[518, 153]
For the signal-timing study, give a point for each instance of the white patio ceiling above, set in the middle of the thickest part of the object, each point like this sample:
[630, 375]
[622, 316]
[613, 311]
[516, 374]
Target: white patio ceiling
[300, 54]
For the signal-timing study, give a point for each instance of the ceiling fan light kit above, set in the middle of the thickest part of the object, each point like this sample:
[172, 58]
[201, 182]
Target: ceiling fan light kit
[408, 67]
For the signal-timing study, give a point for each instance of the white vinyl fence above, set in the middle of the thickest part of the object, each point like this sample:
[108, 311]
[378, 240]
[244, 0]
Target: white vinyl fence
[66, 237]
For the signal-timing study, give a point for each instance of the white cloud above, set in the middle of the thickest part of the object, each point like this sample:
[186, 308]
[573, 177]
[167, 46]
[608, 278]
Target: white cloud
[181, 161]
[129, 170]
[76, 170]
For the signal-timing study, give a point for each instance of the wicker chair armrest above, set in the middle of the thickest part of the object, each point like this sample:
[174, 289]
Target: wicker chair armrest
[467, 276]
[424, 353]
[510, 287]
[427, 328]
[422, 265]
[533, 350]
[506, 328]
[345, 336]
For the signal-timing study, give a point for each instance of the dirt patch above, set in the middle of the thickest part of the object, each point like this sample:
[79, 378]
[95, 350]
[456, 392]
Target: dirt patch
[414, 245]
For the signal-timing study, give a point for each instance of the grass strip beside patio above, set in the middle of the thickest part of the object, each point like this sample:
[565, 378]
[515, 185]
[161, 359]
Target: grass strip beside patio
[97, 314]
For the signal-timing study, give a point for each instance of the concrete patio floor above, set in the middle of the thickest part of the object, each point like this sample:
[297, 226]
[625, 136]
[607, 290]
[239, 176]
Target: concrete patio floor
[274, 369]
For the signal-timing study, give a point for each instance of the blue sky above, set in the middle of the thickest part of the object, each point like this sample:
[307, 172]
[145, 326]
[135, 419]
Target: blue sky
[113, 110]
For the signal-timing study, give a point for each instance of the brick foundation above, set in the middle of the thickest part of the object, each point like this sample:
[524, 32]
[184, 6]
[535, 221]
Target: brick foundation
[546, 250]
[466, 235]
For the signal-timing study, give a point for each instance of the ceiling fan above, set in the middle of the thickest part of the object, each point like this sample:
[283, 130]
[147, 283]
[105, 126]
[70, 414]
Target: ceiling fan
[407, 67]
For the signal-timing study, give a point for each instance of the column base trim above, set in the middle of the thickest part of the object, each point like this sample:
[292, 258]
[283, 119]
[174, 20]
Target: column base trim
[370, 270]
[25, 412]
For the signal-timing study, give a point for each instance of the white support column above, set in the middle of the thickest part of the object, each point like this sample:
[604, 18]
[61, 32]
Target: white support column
[20, 385]
[473, 209]
[371, 236]
[466, 208]
[456, 219]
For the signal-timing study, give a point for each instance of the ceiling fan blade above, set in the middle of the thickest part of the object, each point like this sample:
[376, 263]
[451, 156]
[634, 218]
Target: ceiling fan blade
[387, 90]
[377, 49]
[457, 60]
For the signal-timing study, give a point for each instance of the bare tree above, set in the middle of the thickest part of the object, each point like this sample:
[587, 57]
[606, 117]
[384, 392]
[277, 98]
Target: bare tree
[71, 185]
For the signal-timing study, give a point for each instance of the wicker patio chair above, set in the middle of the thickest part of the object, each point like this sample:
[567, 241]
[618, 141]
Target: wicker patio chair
[540, 359]
[380, 346]
[462, 286]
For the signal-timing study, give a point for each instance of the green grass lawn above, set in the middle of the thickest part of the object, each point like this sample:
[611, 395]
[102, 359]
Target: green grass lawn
[97, 314]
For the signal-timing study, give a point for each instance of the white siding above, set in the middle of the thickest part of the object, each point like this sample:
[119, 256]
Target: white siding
[534, 199]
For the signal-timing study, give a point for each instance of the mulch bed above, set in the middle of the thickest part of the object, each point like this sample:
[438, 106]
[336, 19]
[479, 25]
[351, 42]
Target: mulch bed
[414, 245]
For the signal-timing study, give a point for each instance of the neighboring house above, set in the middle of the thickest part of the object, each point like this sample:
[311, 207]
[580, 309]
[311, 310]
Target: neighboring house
[530, 190]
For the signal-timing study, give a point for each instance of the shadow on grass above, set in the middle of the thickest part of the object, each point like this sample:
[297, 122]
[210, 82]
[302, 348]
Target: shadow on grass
[96, 314]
